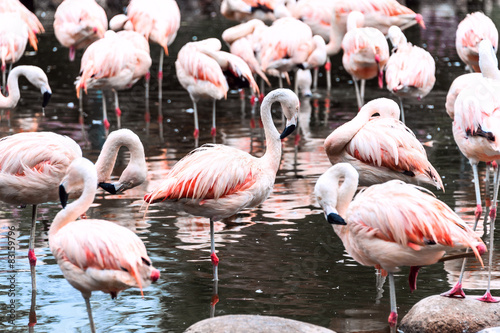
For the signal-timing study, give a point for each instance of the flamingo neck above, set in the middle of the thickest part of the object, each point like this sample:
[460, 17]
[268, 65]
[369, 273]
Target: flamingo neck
[14, 94]
[489, 67]
[75, 209]
[273, 142]
[107, 158]
[336, 36]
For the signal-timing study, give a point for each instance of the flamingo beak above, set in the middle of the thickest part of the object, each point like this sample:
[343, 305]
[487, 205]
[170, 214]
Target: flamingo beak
[155, 275]
[290, 127]
[63, 196]
[111, 188]
[46, 98]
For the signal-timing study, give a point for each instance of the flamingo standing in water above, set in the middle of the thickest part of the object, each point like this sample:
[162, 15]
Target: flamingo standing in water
[217, 181]
[475, 129]
[470, 31]
[381, 148]
[13, 40]
[365, 53]
[33, 164]
[328, 18]
[245, 10]
[116, 61]
[206, 72]
[96, 254]
[157, 21]
[410, 70]
[77, 24]
[391, 224]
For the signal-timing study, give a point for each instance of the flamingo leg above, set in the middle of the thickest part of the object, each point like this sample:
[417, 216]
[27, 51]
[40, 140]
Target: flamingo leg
[280, 80]
[213, 256]
[89, 312]
[31, 250]
[487, 296]
[328, 67]
[315, 78]
[393, 317]
[402, 110]
[358, 96]
[147, 115]
[487, 199]
[4, 80]
[457, 290]
[213, 132]
[160, 75]
[32, 313]
[196, 132]
[296, 86]
[362, 92]
[117, 110]
[105, 120]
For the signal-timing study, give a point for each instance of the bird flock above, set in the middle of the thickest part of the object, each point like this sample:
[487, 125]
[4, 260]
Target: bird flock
[391, 222]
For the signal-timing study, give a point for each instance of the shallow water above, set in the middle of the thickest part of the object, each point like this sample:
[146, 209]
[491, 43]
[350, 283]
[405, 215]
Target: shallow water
[281, 258]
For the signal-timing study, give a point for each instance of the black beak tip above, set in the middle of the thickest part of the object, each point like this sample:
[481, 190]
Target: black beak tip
[46, 98]
[335, 219]
[110, 188]
[287, 131]
[63, 196]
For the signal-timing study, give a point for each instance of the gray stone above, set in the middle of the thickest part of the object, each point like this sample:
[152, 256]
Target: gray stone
[450, 315]
[254, 324]
[490, 330]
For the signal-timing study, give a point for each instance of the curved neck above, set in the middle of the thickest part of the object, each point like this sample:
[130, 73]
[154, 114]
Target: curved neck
[489, 66]
[11, 100]
[107, 158]
[273, 142]
[75, 209]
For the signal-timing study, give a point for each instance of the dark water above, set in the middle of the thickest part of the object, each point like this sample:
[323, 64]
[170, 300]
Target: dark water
[281, 258]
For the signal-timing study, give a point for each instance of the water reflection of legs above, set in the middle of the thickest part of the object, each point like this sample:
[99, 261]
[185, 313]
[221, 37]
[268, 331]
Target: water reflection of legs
[32, 314]
[32, 260]
[215, 298]
[160, 120]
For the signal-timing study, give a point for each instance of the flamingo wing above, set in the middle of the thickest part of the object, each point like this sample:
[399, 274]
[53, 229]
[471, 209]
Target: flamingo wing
[408, 215]
[226, 171]
[98, 245]
[396, 148]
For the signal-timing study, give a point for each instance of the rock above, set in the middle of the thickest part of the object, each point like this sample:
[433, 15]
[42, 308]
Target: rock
[254, 324]
[490, 330]
[451, 315]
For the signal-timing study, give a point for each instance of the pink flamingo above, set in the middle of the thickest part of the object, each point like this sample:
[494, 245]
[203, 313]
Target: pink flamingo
[33, 164]
[77, 24]
[217, 181]
[96, 254]
[35, 76]
[392, 224]
[13, 39]
[328, 18]
[475, 128]
[35, 27]
[245, 10]
[365, 53]
[157, 21]
[381, 148]
[470, 31]
[410, 70]
[116, 61]
[202, 69]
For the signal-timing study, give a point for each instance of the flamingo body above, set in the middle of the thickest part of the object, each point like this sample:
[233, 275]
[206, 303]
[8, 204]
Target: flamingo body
[381, 148]
[391, 224]
[470, 31]
[77, 24]
[34, 25]
[13, 38]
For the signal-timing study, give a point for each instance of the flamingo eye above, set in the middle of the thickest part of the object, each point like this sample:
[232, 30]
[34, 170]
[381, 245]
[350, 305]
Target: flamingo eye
[124, 269]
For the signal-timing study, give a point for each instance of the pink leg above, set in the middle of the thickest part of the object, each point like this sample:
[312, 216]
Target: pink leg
[493, 214]
[31, 251]
[213, 256]
[393, 317]
[213, 132]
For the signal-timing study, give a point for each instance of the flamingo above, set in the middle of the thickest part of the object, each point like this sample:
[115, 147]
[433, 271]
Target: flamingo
[157, 21]
[328, 19]
[13, 40]
[475, 128]
[77, 24]
[470, 31]
[32, 165]
[35, 27]
[410, 70]
[218, 181]
[381, 148]
[245, 10]
[202, 69]
[96, 254]
[35, 76]
[365, 53]
[391, 224]
[116, 61]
